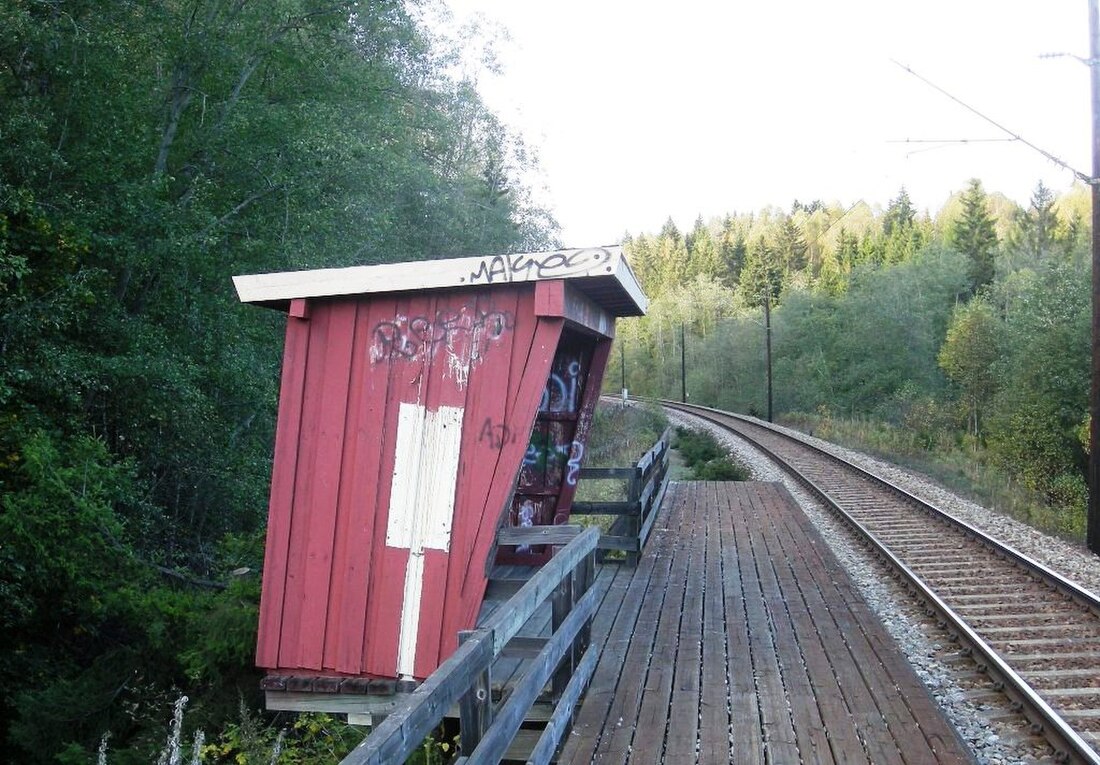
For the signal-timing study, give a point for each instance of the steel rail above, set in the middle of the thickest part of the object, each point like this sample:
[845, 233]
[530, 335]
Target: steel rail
[1069, 745]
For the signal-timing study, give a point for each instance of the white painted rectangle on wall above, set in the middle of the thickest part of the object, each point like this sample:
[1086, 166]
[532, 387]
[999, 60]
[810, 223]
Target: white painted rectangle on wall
[421, 511]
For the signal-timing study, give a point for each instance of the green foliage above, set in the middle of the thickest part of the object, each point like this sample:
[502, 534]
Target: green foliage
[695, 446]
[222, 642]
[865, 351]
[706, 457]
[975, 237]
[150, 152]
[762, 276]
[59, 546]
[956, 462]
[732, 251]
[969, 356]
[621, 435]
[1036, 413]
[704, 255]
[720, 469]
[1038, 237]
[934, 333]
[790, 246]
[899, 215]
[116, 635]
[695, 309]
[312, 737]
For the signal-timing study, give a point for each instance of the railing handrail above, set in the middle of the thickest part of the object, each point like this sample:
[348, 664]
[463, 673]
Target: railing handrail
[507, 620]
[644, 493]
[396, 737]
[650, 458]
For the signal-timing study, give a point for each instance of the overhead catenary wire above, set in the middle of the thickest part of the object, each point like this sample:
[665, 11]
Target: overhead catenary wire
[942, 143]
[1014, 136]
[953, 140]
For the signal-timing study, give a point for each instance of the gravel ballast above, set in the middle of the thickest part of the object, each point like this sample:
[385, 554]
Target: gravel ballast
[984, 720]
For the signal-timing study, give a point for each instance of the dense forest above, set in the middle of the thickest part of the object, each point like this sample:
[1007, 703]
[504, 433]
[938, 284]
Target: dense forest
[959, 338]
[149, 151]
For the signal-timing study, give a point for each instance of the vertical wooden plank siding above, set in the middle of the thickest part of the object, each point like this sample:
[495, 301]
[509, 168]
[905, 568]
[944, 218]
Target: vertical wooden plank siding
[525, 404]
[501, 388]
[437, 482]
[351, 553]
[332, 396]
[532, 350]
[403, 421]
[487, 436]
[521, 352]
[386, 578]
[296, 563]
[287, 428]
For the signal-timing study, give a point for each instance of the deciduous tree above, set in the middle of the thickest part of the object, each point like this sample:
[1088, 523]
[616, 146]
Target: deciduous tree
[969, 356]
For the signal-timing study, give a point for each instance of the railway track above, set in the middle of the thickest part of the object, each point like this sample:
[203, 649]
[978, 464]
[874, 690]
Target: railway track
[1036, 634]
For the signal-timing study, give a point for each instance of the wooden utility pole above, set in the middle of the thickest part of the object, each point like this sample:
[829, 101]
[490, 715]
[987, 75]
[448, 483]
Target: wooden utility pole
[768, 347]
[622, 359]
[683, 366]
[1093, 533]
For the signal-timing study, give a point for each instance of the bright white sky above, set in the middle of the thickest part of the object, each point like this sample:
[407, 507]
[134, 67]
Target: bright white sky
[643, 110]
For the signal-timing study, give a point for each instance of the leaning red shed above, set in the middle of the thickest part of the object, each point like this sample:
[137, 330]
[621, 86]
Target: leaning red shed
[422, 405]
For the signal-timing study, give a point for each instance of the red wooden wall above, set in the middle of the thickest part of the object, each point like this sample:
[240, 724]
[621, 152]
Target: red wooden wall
[366, 571]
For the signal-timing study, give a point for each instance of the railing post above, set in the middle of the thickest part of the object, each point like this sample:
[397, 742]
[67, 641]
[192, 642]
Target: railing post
[475, 709]
[561, 604]
[587, 579]
[465, 680]
[634, 525]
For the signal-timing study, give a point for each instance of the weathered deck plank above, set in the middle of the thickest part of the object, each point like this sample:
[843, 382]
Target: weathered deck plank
[671, 682]
[914, 720]
[811, 689]
[714, 716]
[613, 637]
[615, 739]
[739, 637]
[746, 735]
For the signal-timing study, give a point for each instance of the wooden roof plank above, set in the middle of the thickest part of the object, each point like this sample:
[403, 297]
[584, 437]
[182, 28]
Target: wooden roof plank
[603, 270]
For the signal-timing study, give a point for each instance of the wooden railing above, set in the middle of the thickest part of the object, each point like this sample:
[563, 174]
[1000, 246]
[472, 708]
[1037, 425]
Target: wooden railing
[635, 516]
[564, 660]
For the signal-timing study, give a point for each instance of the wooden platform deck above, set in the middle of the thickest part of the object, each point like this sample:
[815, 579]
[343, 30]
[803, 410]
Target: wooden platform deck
[739, 638]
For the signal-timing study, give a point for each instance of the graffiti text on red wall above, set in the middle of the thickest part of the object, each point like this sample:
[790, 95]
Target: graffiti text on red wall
[465, 335]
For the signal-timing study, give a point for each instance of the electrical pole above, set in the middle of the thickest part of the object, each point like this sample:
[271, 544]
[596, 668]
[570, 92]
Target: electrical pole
[622, 362]
[1093, 532]
[622, 359]
[683, 367]
[768, 347]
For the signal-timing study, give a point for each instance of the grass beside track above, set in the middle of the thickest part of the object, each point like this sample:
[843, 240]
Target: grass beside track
[620, 437]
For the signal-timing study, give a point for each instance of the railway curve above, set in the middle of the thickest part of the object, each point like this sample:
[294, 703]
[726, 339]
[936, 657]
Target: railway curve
[1035, 633]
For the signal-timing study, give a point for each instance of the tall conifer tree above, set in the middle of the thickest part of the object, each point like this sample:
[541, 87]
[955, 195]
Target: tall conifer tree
[975, 236]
